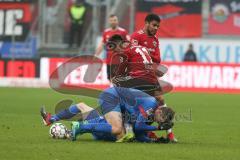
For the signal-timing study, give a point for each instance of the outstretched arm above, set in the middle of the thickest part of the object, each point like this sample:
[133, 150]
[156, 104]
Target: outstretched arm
[99, 48]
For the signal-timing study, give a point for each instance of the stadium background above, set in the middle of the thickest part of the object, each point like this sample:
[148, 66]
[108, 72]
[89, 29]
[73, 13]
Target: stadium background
[33, 42]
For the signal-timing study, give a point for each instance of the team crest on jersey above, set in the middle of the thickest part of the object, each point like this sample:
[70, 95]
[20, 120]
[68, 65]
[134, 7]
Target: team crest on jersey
[121, 59]
[155, 43]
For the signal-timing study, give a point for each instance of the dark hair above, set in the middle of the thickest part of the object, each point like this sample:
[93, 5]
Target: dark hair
[152, 17]
[112, 15]
[115, 38]
[168, 113]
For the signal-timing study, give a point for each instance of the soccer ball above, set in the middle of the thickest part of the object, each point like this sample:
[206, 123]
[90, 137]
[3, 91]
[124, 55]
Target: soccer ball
[58, 131]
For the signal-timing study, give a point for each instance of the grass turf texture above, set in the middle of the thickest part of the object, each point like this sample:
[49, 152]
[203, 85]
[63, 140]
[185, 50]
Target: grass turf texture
[214, 132]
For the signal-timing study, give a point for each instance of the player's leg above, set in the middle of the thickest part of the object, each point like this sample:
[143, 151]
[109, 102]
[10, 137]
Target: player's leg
[110, 108]
[93, 126]
[73, 110]
[114, 118]
[112, 126]
[109, 101]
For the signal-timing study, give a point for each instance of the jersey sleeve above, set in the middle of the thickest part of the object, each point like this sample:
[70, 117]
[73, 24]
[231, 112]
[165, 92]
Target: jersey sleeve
[143, 118]
[119, 64]
[135, 38]
[141, 125]
[156, 58]
[127, 36]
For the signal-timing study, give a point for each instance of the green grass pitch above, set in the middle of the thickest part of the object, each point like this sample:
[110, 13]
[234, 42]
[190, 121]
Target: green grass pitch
[212, 134]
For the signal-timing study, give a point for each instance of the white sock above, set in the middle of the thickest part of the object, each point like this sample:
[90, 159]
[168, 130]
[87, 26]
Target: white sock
[169, 130]
[128, 128]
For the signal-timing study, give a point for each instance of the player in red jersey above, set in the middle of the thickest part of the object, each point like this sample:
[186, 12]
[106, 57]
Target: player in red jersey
[109, 32]
[133, 68]
[147, 37]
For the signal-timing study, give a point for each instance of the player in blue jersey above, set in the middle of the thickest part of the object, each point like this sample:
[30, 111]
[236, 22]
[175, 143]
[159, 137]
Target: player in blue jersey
[140, 136]
[113, 102]
[141, 108]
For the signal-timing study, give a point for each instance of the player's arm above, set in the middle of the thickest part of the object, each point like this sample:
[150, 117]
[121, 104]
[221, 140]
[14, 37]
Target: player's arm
[101, 44]
[141, 123]
[120, 60]
[141, 126]
[99, 48]
[142, 137]
[119, 66]
[159, 69]
[157, 58]
[134, 38]
[156, 55]
[127, 36]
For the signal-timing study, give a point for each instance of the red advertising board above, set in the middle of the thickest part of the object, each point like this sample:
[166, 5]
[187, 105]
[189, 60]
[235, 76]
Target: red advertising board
[76, 76]
[202, 77]
[19, 68]
[224, 17]
[187, 77]
[15, 19]
[179, 18]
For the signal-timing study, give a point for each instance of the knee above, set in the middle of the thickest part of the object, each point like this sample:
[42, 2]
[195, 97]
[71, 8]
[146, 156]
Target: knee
[80, 106]
[117, 130]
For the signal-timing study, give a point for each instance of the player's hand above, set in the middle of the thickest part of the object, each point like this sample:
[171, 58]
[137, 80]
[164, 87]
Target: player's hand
[165, 125]
[115, 81]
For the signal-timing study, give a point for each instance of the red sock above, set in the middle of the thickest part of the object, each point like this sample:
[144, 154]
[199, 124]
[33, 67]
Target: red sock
[171, 136]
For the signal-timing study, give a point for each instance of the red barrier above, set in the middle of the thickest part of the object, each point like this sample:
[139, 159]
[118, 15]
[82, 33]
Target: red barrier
[185, 77]
[22, 68]
[202, 77]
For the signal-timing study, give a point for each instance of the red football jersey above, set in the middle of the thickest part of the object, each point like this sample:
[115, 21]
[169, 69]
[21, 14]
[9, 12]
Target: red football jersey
[136, 63]
[150, 42]
[108, 33]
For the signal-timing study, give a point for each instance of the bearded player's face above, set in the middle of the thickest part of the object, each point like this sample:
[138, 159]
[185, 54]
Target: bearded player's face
[152, 27]
[113, 21]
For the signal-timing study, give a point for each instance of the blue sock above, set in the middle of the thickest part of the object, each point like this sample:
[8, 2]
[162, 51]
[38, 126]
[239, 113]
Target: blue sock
[92, 115]
[95, 127]
[97, 120]
[66, 113]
